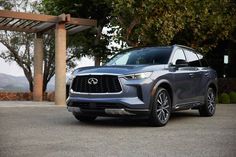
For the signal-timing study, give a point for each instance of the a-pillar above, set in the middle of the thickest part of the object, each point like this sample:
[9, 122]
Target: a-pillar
[60, 66]
[38, 68]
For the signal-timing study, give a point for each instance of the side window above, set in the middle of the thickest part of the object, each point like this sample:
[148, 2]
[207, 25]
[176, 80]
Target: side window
[179, 54]
[202, 60]
[192, 58]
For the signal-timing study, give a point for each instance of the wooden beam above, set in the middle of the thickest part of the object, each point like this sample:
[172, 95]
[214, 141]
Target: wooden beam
[8, 22]
[21, 23]
[46, 28]
[31, 16]
[17, 29]
[77, 29]
[82, 22]
[32, 21]
[34, 24]
[29, 24]
[17, 20]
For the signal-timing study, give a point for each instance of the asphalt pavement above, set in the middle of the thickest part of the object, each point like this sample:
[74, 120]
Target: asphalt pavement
[29, 129]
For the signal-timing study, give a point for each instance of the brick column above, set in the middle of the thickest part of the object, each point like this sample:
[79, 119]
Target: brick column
[38, 68]
[60, 60]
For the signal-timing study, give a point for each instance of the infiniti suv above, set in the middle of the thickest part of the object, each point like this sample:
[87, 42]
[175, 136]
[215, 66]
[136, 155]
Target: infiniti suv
[147, 81]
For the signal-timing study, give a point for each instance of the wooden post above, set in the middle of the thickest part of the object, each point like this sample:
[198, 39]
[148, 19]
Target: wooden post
[60, 60]
[38, 68]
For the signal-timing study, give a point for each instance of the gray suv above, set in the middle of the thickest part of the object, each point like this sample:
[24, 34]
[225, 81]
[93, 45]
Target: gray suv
[147, 81]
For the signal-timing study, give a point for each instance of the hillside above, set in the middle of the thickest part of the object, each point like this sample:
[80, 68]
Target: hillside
[18, 83]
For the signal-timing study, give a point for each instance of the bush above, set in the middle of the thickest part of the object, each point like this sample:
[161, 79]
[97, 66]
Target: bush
[224, 98]
[217, 99]
[232, 96]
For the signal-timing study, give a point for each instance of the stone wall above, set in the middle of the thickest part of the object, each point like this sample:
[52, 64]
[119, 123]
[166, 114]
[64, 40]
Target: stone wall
[11, 96]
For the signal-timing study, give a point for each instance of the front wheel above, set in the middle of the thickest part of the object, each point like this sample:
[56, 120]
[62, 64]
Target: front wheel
[84, 118]
[161, 108]
[208, 109]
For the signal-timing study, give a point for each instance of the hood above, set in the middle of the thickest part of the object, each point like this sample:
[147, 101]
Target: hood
[118, 70]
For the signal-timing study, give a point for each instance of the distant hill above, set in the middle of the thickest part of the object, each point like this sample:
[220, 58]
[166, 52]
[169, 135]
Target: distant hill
[18, 83]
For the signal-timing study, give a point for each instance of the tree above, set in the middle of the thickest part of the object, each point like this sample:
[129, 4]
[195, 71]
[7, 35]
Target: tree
[19, 51]
[20, 47]
[92, 42]
[199, 24]
[207, 23]
[147, 22]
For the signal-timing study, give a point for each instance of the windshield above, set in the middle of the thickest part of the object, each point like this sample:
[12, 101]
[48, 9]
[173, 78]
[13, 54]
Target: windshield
[153, 55]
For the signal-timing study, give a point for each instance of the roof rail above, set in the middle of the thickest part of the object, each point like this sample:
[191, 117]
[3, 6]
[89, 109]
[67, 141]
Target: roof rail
[182, 46]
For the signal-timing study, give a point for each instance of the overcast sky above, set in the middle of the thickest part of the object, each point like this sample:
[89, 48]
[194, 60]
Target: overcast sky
[14, 69]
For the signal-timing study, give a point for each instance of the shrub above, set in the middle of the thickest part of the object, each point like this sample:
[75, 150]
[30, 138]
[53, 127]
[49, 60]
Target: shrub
[232, 96]
[224, 98]
[217, 99]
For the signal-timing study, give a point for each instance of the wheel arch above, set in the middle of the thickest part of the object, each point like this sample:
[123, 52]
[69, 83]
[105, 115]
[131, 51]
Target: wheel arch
[213, 85]
[163, 84]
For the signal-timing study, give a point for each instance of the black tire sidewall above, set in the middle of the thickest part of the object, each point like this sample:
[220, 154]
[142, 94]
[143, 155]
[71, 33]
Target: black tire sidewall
[204, 110]
[154, 120]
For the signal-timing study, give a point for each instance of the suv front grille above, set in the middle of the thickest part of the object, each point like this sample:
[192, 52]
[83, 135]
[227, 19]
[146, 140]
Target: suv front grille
[104, 84]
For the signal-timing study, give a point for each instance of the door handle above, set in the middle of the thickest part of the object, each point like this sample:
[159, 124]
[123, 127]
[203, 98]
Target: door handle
[191, 75]
[206, 74]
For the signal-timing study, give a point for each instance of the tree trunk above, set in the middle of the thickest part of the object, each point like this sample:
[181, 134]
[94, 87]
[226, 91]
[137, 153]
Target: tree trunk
[97, 61]
[44, 85]
[31, 86]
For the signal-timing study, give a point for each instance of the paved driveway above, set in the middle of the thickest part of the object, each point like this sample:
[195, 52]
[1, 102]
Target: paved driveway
[30, 129]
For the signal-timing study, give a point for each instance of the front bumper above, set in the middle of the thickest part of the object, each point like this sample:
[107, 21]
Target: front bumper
[111, 111]
[134, 99]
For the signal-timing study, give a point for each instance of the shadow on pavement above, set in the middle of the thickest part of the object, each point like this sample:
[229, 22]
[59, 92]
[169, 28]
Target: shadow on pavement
[134, 121]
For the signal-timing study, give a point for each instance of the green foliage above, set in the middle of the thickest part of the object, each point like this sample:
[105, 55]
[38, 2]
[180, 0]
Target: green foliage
[224, 98]
[5, 4]
[232, 96]
[207, 23]
[147, 22]
[92, 42]
[199, 24]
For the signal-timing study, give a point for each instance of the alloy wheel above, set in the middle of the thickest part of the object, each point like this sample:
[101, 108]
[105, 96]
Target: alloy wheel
[211, 101]
[163, 105]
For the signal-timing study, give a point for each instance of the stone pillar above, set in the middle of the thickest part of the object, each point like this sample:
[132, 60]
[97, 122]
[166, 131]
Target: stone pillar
[38, 68]
[60, 64]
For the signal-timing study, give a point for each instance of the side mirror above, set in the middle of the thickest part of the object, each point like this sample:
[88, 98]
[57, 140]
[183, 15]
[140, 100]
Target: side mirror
[181, 63]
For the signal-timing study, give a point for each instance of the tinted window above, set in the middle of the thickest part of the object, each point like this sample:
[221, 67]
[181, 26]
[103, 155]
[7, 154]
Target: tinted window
[192, 58]
[179, 54]
[202, 60]
[149, 55]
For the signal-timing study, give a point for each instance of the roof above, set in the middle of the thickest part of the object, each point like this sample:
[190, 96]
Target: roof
[35, 23]
[182, 46]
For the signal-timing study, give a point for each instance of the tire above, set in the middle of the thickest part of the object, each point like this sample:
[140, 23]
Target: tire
[84, 118]
[161, 108]
[208, 109]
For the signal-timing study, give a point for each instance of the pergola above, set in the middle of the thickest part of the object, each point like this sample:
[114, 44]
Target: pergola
[39, 24]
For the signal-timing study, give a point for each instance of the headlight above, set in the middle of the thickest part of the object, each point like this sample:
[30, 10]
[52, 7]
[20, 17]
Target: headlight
[138, 75]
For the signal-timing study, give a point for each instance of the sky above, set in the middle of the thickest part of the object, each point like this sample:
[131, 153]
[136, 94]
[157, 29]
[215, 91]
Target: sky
[15, 70]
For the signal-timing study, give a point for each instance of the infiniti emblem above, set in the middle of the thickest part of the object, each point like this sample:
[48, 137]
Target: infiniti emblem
[92, 81]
